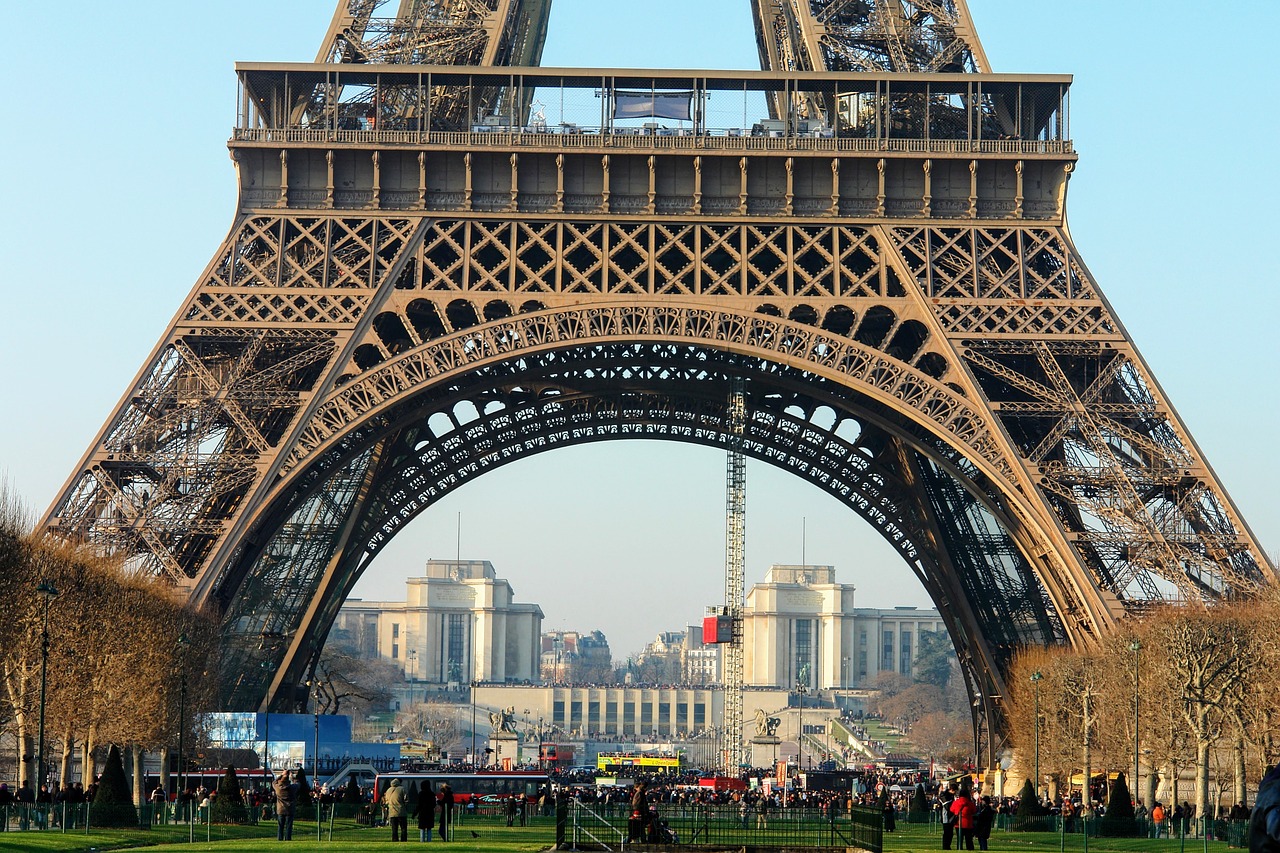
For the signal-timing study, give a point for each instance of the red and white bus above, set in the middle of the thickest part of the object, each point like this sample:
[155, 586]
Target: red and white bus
[481, 787]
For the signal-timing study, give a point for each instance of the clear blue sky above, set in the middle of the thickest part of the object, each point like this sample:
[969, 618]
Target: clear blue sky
[118, 190]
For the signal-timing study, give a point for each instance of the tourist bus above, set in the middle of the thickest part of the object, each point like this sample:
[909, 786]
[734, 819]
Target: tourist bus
[480, 787]
[613, 763]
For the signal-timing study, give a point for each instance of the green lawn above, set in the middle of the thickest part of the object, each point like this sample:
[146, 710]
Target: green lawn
[497, 838]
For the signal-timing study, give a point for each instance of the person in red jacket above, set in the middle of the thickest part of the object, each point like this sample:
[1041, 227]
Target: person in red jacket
[964, 809]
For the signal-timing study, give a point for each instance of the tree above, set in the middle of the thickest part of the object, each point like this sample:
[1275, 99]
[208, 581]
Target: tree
[1209, 656]
[906, 708]
[935, 660]
[355, 685]
[228, 805]
[1119, 820]
[1031, 811]
[940, 735]
[918, 811]
[113, 804]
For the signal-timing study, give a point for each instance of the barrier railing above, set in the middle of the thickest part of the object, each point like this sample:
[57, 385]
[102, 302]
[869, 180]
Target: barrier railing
[731, 826]
[726, 141]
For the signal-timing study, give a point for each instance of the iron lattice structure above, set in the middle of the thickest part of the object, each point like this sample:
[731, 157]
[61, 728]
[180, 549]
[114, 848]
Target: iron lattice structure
[733, 663]
[406, 301]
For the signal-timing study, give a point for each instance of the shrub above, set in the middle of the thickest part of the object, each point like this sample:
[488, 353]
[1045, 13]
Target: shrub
[228, 806]
[113, 804]
[1031, 816]
[918, 811]
[1119, 821]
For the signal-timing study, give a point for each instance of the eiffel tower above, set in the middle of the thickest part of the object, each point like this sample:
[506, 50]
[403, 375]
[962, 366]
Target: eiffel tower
[427, 279]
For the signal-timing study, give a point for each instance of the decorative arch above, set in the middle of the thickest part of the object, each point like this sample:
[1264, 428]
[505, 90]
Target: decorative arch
[903, 451]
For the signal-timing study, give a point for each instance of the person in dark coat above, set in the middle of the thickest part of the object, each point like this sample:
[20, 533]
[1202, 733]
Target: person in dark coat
[982, 820]
[1264, 823]
[445, 801]
[639, 814]
[426, 811]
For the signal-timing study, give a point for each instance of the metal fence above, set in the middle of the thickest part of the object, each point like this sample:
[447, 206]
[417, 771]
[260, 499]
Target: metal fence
[1189, 831]
[726, 826]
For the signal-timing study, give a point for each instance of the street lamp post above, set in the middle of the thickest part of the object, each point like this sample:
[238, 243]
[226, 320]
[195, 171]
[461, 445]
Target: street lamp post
[412, 671]
[183, 642]
[315, 752]
[266, 734]
[1136, 648]
[48, 593]
[1035, 681]
[473, 725]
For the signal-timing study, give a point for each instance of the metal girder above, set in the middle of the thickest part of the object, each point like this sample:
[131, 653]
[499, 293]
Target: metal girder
[603, 393]
[398, 310]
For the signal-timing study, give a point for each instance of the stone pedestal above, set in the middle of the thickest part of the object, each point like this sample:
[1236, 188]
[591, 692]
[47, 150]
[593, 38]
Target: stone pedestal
[764, 751]
[506, 750]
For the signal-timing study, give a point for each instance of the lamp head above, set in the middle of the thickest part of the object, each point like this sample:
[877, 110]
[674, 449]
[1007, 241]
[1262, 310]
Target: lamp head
[1036, 676]
[1135, 646]
[47, 590]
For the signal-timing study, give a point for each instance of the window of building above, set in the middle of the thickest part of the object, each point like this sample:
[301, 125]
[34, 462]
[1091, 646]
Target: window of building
[664, 714]
[682, 715]
[575, 715]
[886, 652]
[862, 663]
[611, 717]
[804, 649]
[646, 714]
[395, 630]
[395, 651]
[557, 712]
[904, 660]
[455, 660]
[699, 715]
[593, 716]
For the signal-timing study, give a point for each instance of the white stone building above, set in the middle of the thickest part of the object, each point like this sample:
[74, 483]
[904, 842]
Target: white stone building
[801, 616]
[459, 623]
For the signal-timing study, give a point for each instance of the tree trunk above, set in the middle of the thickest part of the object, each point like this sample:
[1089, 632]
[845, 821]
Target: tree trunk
[1202, 777]
[1240, 786]
[1086, 806]
[68, 749]
[139, 776]
[27, 751]
[164, 767]
[88, 769]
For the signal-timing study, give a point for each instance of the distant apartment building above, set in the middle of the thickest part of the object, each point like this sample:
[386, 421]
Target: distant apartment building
[459, 623]
[569, 657]
[681, 657]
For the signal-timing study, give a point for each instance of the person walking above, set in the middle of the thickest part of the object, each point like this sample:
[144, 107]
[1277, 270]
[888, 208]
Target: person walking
[445, 801]
[639, 813]
[394, 802]
[426, 811]
[286, 790]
